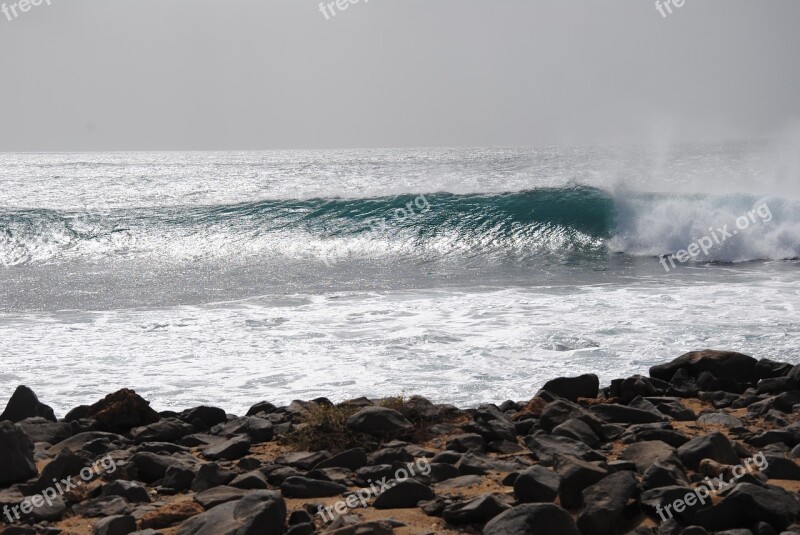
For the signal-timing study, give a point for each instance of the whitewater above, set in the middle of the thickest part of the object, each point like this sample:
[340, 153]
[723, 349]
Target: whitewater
[465, 275]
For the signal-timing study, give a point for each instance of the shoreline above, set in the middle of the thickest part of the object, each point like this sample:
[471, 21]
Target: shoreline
[709, 439]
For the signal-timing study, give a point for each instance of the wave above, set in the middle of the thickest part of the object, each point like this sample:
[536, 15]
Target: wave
[553, 222]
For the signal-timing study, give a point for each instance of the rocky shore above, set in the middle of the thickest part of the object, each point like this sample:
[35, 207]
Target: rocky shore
[706, 443]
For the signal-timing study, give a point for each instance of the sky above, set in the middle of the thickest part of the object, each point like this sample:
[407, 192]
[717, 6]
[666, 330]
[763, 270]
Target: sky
[86, 75]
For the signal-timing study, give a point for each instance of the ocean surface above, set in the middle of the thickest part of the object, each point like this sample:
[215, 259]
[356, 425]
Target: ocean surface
[465, 275]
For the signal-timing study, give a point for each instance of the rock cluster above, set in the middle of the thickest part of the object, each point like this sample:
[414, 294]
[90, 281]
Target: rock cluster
[706, 444]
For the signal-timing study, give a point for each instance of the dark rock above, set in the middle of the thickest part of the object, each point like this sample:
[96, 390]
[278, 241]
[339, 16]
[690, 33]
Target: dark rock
[104, 506]
[24, 404]
[664, 474]
[572, 388]
[404, 495]
[774, 436]
[259, 430]
[715, 446]
[178, 478]
[645, 454]
[263, 407]
[546, 448]
[604, 502]
[250, 480]
[620, 414]
[722, 364]
[352, 459]
[532, 518]
[747, 504]
[677, 412]
[781, 468]
[130, 490]
[211, 475]
[659, 503]
[536, 484]
[471, 464]
[41, 429]
[492, 424]
[218, 495]
[476, 510]
[576, 476]
[121, 411]
[81, 441]
[391, 455]
[234, 448]
[203, 417]
[469, 442]
[278, 474]
[766, 369]
[151, 467]
[443, 471]
[115, 525]
[257, 513]
[165, 430]
[378, 421]
[64, 465]
[577, 430]
[775, 385]
[559, 411]
[303, 487]
[304, 460]
[16, 455]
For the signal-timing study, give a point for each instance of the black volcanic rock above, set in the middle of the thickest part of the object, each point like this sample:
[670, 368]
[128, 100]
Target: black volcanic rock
[24, 404]
[531, 518]
[257, 513]
[715, 446]
[404, 495]
[721, 364]
[378, 421]
[537, 484]
[16, 455]
[122, 411]
[572, 388]
[604, 502]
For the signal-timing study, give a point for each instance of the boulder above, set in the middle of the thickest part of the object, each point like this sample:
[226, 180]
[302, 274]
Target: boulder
[404, 495]
[537, 484]
[620, 414]
[715, 446]
[721, 364]
[257, 513]
[474, 511]
[234, 448]
[378, 421]
[572, 388]
[41, 429]
[647, 453]
[604, 503]
[576, 476]
[166, 430]
[122, 411]
[16, 455]
[531, 518]
[115, 525]
[748, 504]
[203, 417]
[24, 404]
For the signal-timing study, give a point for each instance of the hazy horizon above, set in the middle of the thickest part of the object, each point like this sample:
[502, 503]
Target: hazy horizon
[90, 76]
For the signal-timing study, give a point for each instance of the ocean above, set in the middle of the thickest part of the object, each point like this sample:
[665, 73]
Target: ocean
[464, 275]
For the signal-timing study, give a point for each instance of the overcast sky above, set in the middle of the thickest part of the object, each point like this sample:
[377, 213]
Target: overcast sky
[262, 74]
